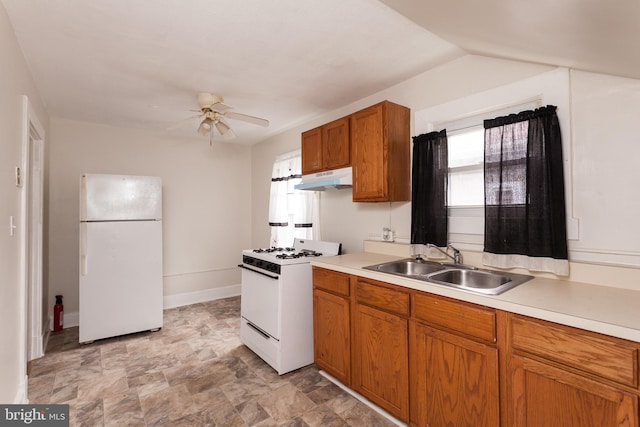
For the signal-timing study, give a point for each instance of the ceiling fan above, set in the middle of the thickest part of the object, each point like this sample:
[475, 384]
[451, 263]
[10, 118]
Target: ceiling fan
[213, 112]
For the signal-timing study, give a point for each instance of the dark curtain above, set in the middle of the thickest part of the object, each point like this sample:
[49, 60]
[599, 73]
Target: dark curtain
[429, 189]
[524, 185]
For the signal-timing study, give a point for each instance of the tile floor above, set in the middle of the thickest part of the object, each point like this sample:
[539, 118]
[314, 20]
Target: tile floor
[193, 372]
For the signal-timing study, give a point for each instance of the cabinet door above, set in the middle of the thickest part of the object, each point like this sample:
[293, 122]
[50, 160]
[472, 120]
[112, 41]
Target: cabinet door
[368, 145]
[332, 343]
[547, 396]
[312, 151]
[380, 365]
[335, 144]
[454, 380]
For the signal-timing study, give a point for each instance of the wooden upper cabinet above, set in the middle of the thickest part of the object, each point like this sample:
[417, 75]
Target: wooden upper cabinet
[380, 153]
[326, 147]
[336, 152]
[312, 151]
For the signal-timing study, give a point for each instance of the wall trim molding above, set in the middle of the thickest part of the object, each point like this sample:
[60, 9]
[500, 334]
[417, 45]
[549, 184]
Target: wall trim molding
[188, 298]
[21, 394]
[72, 319]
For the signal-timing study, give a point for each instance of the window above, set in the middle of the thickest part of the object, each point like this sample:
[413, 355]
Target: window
[466, 219]
[466, 167]
[292, 213]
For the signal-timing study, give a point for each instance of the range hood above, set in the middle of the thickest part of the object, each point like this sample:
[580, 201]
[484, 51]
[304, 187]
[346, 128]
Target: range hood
[320, 181]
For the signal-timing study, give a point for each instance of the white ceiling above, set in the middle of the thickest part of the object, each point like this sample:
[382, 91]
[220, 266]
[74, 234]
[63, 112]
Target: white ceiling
[593, 35]
[141, 63]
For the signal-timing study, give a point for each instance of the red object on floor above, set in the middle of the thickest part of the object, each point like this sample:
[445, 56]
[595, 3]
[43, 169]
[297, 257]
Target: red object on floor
[58, 314]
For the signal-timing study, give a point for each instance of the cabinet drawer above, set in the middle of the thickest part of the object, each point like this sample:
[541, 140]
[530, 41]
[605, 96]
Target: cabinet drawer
[604, 356]
[466, 318]
[382, 297]
[332, 281]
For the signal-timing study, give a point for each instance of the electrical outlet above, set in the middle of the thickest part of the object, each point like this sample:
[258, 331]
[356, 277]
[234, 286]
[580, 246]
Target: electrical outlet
[12, 226]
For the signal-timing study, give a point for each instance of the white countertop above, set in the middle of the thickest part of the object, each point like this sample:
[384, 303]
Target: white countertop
[607, 310]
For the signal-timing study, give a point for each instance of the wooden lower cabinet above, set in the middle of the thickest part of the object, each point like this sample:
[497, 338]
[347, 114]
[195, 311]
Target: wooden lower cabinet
[565, 376]
[544, 395]
[381, 359]
[454, 380]
[435, 361]
[331, 337]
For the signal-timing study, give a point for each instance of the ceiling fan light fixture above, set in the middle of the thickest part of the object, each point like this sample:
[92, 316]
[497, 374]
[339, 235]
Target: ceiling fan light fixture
[205, 127]
[213, 112]
[205, 99]
[222, 127]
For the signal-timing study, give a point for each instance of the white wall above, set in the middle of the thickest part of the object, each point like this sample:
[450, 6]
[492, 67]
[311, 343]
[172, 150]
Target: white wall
[351, 223]
[206, 202]
[602, 140]
[606, 167]
[15, 81]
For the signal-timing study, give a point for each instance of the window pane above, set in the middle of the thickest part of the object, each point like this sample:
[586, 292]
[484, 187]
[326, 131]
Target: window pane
[466, 188]
[466, 174]
[466, 148]
[507, 164]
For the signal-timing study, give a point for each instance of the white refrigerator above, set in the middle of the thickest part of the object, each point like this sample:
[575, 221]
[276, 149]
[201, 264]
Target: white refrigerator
[120, 255]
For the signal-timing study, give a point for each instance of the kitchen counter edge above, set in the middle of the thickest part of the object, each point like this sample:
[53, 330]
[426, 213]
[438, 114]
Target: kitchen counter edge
[602, 309]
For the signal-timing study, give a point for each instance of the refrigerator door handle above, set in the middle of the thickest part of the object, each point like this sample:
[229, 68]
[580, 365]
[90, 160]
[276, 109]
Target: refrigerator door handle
[83, 198]
[83, 248]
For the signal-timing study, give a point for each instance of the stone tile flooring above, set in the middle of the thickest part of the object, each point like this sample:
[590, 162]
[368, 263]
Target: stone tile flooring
[193, 372]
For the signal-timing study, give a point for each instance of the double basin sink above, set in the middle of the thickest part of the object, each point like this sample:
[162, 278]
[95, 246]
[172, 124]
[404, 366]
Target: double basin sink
[453, 275]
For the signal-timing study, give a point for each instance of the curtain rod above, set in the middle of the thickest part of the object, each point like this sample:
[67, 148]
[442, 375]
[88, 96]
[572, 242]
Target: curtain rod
[463, 121]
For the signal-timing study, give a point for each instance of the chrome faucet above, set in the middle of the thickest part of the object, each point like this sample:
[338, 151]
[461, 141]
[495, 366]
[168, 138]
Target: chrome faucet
[457, 256]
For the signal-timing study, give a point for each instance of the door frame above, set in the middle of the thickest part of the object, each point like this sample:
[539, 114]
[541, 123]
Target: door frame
[32, 237]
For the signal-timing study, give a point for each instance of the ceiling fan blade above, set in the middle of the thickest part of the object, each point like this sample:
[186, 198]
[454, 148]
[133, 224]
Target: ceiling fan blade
[183, 122]
[220, 107]
[246, 118]
[212, 102]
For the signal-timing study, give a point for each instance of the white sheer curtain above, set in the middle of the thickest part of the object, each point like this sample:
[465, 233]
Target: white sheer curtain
[292, 213]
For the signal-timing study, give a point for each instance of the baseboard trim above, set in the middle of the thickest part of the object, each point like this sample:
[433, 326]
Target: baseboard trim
[46, 334]
[170, 301]
[363, 399]
[69, 320]
[188, 298]
[21, 395]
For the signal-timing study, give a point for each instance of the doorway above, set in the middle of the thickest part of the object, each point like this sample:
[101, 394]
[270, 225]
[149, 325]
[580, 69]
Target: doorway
[31, 179]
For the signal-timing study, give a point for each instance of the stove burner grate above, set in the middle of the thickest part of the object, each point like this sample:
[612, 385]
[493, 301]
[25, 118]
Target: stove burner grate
[303, 253]
[273, 249]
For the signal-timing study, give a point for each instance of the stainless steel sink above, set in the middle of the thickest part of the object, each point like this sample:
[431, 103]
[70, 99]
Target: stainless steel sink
[481, 281]
[408, 267]
[457, 276]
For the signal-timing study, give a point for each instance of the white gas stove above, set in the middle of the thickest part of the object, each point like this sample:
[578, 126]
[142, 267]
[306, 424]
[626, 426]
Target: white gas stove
[301, 251]
[277, 302]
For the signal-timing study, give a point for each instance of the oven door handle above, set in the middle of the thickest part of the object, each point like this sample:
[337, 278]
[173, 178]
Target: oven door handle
[259, 272]
[258, 330]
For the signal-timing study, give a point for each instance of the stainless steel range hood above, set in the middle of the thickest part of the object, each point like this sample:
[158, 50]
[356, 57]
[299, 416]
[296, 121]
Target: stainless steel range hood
[337, 178]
